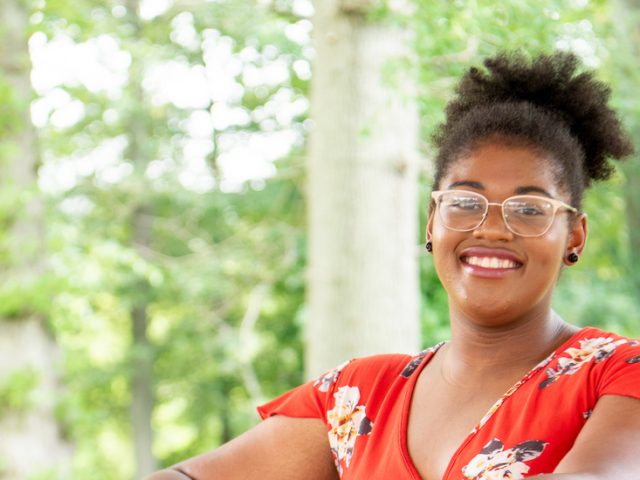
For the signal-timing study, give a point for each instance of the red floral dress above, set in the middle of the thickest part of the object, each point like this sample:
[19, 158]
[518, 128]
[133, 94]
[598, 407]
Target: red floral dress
[365, 405]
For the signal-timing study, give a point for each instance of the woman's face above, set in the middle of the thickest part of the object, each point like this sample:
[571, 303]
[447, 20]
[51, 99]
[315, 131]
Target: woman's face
[521, 282]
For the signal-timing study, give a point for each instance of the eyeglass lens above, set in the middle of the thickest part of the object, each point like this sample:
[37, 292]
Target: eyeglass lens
[524, 215]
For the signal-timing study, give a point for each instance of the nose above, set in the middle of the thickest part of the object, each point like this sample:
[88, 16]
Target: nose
[493, 227]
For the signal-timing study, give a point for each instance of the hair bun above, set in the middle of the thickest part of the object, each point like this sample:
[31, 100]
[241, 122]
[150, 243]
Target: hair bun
[551, 82]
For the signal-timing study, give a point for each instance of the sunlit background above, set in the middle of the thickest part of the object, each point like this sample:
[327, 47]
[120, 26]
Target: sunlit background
[168, 267]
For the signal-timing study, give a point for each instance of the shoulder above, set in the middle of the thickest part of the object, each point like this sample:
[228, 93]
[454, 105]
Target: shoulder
[612, 362]
[382, 368]
[372, 379]
[598, 345]
[363, 369]
[379, 365]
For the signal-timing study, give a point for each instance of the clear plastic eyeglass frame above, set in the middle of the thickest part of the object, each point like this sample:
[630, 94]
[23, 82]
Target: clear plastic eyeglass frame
[556, 204]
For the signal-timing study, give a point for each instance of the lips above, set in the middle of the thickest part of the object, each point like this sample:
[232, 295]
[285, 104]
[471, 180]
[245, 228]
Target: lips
[490, 262]
[485, 260]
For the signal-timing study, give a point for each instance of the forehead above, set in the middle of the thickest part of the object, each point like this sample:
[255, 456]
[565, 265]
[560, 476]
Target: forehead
[504, 168]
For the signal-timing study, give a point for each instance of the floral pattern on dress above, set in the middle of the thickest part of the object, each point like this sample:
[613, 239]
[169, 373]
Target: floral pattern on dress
[591, 349]
[324, 382]
[496, 463]
[635, 359]
[415, 361]
[348, 420]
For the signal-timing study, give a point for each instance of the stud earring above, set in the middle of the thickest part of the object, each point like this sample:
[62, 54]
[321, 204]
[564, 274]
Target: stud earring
[573, 257]
[429, 246]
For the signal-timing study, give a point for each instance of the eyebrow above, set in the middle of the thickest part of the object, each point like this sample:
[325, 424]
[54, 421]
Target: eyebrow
[531, 189]
[467, 183]
[519, 191]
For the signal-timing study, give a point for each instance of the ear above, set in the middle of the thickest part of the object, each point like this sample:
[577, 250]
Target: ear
[577, 237]
[429, 225]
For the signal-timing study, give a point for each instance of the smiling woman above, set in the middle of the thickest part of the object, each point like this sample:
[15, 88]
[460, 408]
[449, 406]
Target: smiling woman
[501, 171]
[517, 392]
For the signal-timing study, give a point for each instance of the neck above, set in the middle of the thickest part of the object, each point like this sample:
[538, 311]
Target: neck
[475, 348]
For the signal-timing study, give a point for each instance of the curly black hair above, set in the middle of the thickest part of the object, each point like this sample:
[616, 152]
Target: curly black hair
[543, 103]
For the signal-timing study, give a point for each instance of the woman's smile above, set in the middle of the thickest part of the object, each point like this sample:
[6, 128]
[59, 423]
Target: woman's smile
[490, 262]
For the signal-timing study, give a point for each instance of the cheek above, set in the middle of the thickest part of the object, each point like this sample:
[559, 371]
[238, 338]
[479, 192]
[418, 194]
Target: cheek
[546, 258]
[442, 244]
[555, 243]
[439, 232]
[445, 243]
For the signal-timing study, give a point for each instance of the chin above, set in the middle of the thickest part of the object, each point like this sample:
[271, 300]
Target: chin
[490, 312]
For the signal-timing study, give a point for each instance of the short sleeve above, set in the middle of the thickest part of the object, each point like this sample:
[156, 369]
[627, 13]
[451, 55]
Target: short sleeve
[309, 400]
[371, 377]
[622, 372]
[304, 401]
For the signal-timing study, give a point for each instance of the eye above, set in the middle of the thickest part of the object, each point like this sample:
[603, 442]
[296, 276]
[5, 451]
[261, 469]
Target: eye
[466, 204]
[527, 209]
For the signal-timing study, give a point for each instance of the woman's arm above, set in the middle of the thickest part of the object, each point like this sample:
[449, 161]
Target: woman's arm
[278, 448]
[608, 447]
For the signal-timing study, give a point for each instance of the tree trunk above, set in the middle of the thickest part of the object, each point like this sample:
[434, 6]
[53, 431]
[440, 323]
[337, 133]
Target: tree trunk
[362, 190]
[31, 442]
[142, 399]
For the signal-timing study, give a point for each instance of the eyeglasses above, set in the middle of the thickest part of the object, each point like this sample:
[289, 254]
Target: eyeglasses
[524, 215]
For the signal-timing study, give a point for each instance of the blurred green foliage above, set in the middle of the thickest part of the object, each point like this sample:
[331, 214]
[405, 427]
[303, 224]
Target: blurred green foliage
[16, 390]
[217, 256]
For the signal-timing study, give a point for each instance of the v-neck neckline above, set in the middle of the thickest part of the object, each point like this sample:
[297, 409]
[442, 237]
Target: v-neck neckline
[406, 407]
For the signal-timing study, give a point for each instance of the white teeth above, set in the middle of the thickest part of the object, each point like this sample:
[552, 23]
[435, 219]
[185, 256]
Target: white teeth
[491, 262]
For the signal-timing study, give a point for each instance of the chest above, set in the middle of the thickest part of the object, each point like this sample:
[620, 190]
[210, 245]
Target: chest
[419, 428]
[442, 416]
